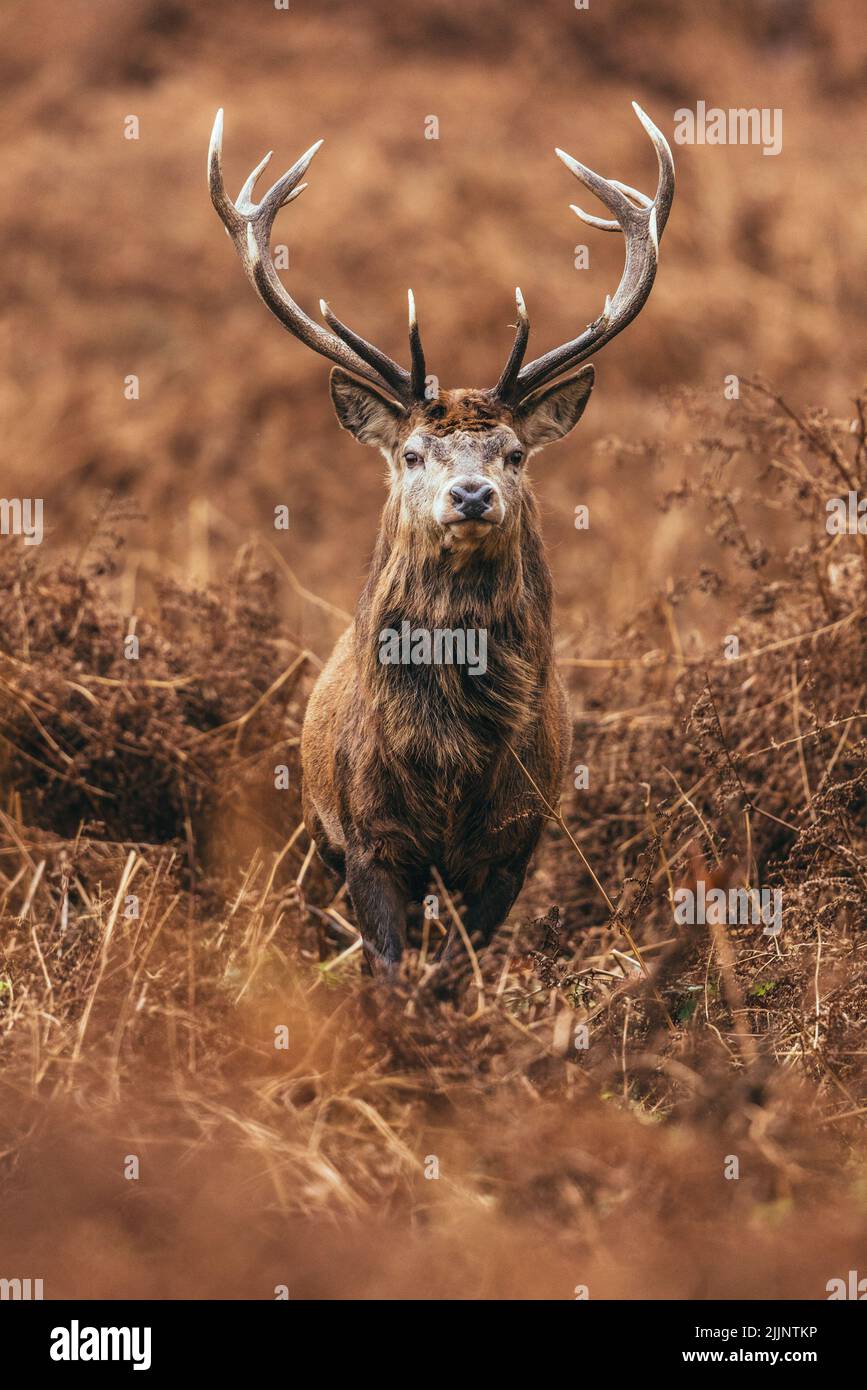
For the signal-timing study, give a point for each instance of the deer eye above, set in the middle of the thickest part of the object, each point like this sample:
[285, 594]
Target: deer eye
[412, 459]
[515, 457]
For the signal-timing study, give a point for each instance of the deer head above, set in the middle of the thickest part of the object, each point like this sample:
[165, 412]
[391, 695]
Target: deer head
[456, 456]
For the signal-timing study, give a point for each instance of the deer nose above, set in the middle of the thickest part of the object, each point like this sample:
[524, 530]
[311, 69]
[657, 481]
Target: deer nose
[472, 498]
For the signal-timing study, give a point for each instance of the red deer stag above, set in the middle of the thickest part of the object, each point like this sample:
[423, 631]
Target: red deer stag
[414, 756]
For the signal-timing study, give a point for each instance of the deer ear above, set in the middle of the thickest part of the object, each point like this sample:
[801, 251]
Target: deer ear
[370, 417]
[552, 412]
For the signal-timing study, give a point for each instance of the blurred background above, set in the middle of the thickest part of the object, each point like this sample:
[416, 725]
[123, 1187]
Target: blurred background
[116, 264]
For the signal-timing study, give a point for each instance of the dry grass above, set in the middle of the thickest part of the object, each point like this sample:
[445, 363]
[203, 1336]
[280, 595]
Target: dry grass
[155, 1034]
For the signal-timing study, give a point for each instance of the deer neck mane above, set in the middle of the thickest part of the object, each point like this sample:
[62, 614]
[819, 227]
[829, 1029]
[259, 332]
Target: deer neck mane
[443, 713]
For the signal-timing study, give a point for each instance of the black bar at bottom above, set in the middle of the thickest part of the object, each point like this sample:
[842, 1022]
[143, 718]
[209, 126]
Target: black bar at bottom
[83, 1339]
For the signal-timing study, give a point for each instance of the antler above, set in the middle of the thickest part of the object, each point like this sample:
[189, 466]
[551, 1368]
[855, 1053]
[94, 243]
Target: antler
[249, 225]
[642, 221]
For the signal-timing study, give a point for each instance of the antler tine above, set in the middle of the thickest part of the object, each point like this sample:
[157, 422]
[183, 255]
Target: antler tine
[216, 185]
[641, 199]
[634, 193]
[603, 224]
[664, 158]
[249, 225]
[606, 190]
[245, 197]
[395, 377]
[506, 385]
[641, 220]
[419, 367]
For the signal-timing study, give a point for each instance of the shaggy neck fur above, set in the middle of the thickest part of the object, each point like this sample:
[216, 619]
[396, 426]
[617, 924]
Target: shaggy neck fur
[441, 716]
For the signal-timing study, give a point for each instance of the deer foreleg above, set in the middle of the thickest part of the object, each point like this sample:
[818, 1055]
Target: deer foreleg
[379, 900]
[488, 905]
